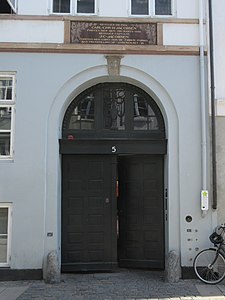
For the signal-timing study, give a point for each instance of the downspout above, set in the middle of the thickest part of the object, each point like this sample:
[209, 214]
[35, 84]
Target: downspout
[213, 117]
[203, 103]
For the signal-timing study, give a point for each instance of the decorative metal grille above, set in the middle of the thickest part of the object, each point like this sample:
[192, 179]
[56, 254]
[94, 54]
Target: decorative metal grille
[144, 116]
[82, 116]
[113, 110]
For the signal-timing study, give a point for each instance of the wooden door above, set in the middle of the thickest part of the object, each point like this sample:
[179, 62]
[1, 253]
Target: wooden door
[141, 212]
[89, 212]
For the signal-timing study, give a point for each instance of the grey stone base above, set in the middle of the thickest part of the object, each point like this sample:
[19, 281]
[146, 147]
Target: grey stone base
[52, 273]
[188, 273]
[7, 274]
[173, 269]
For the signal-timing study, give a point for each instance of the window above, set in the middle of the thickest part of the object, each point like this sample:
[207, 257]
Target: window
[139, 7]
[163, 7]
[113, 110]
[144, 116]
[5, 213]
[151, 7]
[74, 6]
[7, 112]
[85, 6]
[8, 6]
[82, 116]
[61, 6]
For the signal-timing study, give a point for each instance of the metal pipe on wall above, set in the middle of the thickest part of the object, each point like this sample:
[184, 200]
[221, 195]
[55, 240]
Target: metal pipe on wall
[203, 96]
[204, 191]
[213, 117]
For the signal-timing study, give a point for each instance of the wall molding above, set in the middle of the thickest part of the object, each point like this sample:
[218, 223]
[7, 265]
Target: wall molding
[99, 19]
[99, 49]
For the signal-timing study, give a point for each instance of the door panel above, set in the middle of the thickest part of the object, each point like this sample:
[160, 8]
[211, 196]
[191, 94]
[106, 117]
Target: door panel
[141, 212]
[88, 212]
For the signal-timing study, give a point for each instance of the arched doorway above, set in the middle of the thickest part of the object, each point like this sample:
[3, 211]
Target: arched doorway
[113, 146]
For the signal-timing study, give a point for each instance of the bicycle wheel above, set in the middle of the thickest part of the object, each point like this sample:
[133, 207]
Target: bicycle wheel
[208, 268]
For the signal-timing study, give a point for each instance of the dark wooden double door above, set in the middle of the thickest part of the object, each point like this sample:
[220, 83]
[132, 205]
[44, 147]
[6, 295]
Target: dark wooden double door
[112, 212]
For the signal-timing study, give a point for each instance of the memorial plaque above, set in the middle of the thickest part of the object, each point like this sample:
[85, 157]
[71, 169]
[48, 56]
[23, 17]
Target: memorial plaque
[113, 33]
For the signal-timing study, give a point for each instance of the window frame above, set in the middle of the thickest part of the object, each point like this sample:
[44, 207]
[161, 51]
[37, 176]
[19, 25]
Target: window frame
[84, 14]
[61, 13]
[13, 7]
[9, 104]
[151, 12]
[140, 15]
[73, 9]
[9, 234]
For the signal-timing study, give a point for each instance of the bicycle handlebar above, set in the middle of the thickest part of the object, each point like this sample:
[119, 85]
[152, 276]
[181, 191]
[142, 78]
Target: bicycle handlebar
[217, 237]
[218, 228]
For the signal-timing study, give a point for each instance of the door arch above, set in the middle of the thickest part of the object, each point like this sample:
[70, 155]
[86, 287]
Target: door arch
[118, 110]
[112, 132]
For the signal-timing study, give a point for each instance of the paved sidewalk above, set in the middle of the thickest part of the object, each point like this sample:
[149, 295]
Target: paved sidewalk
[121, 285]
[12, 291]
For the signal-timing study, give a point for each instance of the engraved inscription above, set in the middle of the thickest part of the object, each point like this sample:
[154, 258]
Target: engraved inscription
[113, 33]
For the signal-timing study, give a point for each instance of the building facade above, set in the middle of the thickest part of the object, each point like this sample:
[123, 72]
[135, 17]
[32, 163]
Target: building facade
[219, 67]
[105, 153]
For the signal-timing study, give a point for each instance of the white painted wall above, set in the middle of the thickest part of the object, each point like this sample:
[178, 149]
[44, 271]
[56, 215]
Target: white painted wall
[46, 31]
[33, 7]
[181, 34]
[116, 8]
[46, 83]
[28, 31]
[187, 9]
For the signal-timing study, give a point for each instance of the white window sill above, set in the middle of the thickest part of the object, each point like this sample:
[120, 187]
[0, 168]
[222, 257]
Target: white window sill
[6, 159]
[4, 265]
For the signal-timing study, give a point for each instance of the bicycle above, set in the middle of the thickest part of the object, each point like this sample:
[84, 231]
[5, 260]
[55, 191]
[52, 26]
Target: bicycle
[209, 264]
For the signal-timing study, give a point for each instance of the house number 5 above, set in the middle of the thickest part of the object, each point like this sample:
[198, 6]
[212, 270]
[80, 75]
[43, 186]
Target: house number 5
[113, 149]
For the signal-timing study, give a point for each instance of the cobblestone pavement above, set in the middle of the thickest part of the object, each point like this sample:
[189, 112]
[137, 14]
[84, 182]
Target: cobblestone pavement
[120, 285]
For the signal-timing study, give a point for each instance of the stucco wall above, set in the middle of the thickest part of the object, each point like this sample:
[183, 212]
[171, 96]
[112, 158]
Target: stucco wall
[118, 8]
[46, 83]
[49, 31]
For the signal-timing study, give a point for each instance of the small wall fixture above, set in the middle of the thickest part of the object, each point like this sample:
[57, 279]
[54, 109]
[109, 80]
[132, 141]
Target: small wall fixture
[188, 219]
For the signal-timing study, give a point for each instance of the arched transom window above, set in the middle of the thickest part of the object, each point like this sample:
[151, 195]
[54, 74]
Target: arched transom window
[118, 110]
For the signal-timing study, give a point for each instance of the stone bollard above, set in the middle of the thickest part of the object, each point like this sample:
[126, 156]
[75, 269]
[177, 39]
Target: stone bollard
[52, 268]
[173, 269]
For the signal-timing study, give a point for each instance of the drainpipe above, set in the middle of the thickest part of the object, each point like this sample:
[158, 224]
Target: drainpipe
[213, 117]
[204, 194]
